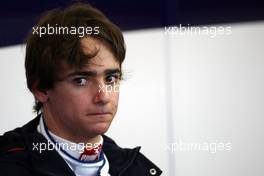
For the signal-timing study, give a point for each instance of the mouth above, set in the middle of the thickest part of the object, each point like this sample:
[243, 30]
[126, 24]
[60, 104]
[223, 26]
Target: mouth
[99, 117]
[99, 114]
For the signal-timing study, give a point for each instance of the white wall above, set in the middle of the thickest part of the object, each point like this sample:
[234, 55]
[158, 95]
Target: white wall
[180, 91]
[15, 100]
[218, 97]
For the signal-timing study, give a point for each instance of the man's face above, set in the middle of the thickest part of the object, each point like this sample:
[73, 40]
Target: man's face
[82, 103]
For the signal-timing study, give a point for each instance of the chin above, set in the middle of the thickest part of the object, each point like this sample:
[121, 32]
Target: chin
[99, 129]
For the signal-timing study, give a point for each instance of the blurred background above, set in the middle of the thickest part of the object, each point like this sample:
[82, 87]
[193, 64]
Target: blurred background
[193, 95]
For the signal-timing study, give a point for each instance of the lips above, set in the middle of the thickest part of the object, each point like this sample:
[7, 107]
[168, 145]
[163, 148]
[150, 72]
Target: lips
[99, 113]
[99, 116]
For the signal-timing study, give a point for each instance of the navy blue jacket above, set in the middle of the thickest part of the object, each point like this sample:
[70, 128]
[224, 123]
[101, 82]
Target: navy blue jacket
[17, 157]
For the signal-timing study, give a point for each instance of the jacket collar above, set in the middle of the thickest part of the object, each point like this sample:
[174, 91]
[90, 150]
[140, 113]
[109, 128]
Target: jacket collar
[119, 158]
[41, 159]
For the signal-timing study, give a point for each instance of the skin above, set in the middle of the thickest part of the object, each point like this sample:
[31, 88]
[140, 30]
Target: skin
[77, 108]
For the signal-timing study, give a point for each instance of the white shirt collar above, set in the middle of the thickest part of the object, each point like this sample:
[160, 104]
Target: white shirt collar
[79, 168]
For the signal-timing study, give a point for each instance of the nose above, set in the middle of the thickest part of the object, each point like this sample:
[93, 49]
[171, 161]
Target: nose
[102, 96]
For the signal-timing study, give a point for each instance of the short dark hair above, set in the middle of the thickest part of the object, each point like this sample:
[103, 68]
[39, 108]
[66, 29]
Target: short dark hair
[44, 54]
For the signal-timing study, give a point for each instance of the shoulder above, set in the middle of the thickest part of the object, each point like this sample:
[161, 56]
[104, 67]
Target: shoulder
[13, 155]
[14, 141]
[11, 142]
[143, 166]
[128, 161]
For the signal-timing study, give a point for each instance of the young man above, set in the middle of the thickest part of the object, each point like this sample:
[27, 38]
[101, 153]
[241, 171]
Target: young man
[73, 56]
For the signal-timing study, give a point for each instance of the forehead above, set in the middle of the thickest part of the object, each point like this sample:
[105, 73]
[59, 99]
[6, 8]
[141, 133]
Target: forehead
[103, 58]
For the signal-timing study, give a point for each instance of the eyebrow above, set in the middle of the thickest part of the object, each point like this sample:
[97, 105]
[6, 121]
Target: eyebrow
[94, 73]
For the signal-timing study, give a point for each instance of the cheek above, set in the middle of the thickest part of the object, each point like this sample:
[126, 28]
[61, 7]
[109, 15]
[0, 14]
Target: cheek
[69, 100]
[81, 100]
[115, 99]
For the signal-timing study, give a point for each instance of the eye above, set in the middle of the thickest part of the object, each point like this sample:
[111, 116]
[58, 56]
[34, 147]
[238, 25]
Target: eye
[113, 78]
[80, 81]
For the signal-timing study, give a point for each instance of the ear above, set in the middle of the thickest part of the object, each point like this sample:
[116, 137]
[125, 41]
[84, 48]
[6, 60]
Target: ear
[40, 95]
